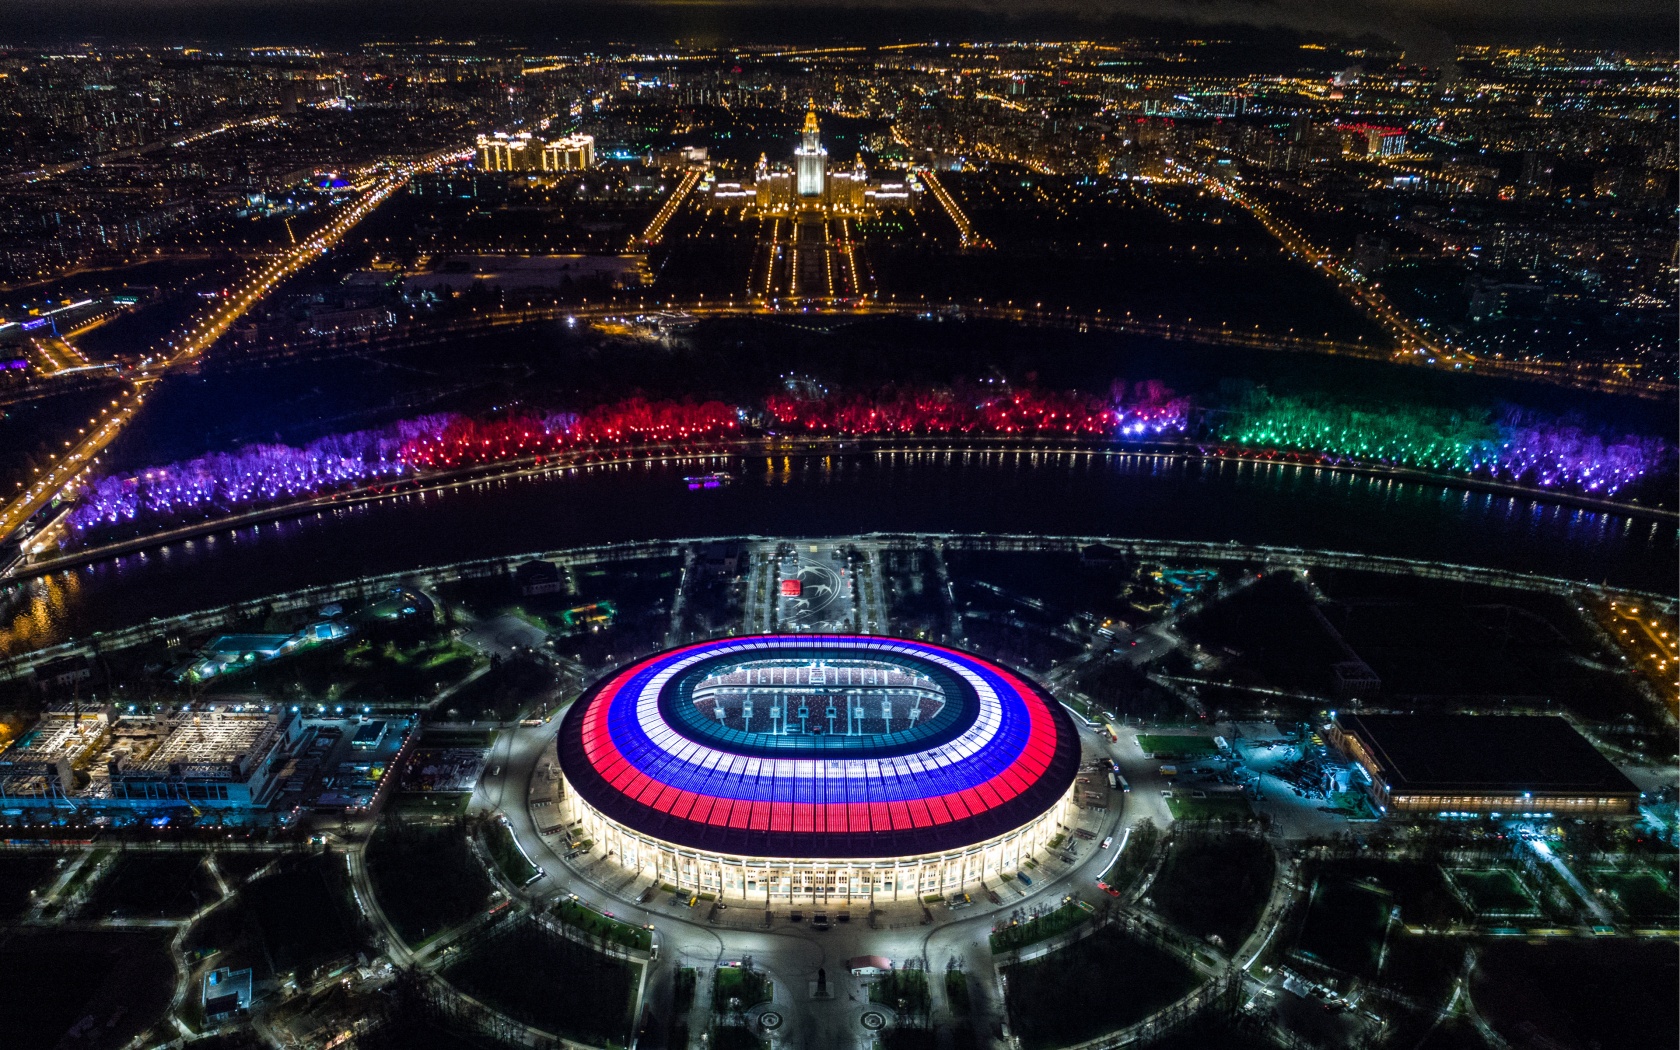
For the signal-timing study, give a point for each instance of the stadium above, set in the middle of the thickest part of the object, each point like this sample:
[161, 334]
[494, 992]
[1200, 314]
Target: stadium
[782, 767]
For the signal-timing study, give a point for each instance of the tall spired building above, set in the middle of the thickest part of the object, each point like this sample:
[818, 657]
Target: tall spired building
[811, 160]
[809, 188]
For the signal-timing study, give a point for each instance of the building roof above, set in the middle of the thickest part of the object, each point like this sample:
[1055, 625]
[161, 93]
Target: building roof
[984, 754]
[227, 990]
[536, 570]
[1485, 753]
[236, 644]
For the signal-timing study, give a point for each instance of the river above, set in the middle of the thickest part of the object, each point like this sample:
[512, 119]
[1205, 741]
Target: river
[1053, 493]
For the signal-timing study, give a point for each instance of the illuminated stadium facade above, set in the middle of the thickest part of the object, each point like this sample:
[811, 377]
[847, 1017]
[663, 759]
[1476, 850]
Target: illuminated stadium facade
[787, 767]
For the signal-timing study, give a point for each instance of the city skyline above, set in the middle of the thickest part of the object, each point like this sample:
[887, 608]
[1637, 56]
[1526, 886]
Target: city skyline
[1427, 27]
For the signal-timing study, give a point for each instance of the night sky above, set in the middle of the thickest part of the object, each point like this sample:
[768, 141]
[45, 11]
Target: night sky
[1425, 27]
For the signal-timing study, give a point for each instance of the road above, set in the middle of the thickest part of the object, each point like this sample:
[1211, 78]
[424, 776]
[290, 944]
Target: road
[101, 159]
[1175, 551]
[79, 457]
[1413, 338]
[656, 226]
[965, 228]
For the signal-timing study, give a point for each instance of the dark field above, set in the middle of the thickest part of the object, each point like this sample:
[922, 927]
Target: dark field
[1215, 885]
[550, 982]
[1345, 926]
[1610, 993]
[1104, 982]
[1223, 1033]
[1124, 690]
[1433, 641]
[502, 691]
[19, 874]
[303, 913]
[1061, 585]
[1011, 641]
[122, 981]
[1346, 930]
[290, 922]
[426, 878]
[1156, 251]
[411, 1016]
[165, 885]
[1269, 635]
[1436, 645]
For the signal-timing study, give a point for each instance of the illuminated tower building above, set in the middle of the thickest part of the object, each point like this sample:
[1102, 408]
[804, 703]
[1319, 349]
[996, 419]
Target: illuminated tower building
[811, 160]
[772, 188]
[570, 153]
[501, 151]
[848, 189]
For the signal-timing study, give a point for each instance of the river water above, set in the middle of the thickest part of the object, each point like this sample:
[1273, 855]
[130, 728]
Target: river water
[1122, 495]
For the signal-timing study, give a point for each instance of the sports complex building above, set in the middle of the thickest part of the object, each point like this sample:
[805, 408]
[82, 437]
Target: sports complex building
[1469, 765]
[820, 766]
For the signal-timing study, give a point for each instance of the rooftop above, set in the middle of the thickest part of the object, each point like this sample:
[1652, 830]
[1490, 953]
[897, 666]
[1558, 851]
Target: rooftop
[1497, 753]
[236, 644]
[214, 738]
[60, 734]
[227, 990]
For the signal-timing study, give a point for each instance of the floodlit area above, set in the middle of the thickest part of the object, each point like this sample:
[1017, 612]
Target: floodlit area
[779, 698]
[213, 738]
[262, 767]
[210, 757]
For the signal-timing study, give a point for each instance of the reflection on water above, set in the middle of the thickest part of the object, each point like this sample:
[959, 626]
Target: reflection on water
[1081, 493]
[35, 617]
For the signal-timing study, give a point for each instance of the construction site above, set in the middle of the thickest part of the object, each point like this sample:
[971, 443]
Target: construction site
[215, 758]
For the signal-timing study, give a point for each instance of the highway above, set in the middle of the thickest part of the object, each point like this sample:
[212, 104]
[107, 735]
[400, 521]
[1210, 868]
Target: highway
[1174, 551]
[656, 227]
[101, 159]
[76, 461]
[965, 228]
[1412, 338]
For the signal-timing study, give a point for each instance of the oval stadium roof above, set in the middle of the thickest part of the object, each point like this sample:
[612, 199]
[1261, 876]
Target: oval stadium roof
[900, 748]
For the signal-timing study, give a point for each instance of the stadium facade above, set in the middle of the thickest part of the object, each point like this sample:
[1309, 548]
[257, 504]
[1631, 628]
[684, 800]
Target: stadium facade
[791, 767]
